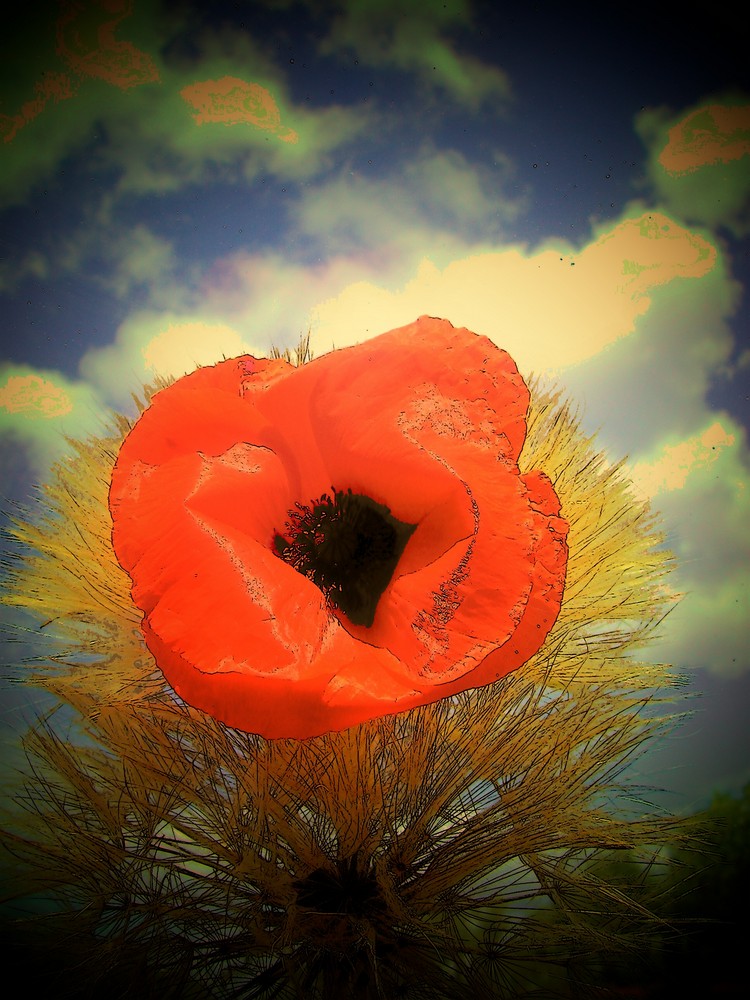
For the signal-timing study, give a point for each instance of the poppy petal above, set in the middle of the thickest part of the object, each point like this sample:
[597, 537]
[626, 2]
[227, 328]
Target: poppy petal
[427, 421]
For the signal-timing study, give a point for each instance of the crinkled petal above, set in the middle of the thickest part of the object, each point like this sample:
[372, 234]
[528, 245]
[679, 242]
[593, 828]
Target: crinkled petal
[428, 420]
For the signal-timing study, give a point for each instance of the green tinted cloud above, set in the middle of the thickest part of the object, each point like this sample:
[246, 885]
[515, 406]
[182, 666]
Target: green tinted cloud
[39, 409]
[412, 37]
[130, 106]
[699, 162]
[710, 521]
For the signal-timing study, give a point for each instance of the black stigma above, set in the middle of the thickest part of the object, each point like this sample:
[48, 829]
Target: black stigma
[349, 546]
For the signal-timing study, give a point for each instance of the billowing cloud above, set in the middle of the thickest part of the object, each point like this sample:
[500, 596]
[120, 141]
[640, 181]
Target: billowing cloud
[414, 38]
[139, 259]
[698, 161]
[232, 101]
[701, 489]
[551, 308]
[437, 199]
[676, 462]
[715, 133]
[653, 384]
[122, 258]
[50, 89]
[86, 44]
[182, 347]
[91, 74]
[38, 410]
[34, 396]
[86, 41]
[249, 303]
[152, 343]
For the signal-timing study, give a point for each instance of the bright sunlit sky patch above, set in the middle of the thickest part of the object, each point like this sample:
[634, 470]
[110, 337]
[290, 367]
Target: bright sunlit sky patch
[185, 182]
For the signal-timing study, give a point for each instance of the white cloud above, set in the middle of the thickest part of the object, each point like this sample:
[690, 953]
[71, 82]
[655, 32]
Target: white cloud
[156, 343]
[550, 309]
[181, 347]
[653, 384]
[705, 504]
[437, 200]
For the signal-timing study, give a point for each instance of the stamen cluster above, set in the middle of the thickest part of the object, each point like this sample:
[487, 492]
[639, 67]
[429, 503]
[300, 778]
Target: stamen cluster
[349, 546]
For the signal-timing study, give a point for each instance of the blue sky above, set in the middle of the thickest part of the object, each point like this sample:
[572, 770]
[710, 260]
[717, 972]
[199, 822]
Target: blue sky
[181, 182]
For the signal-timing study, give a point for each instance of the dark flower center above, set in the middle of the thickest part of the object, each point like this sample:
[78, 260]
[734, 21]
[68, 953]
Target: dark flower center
[349, 546]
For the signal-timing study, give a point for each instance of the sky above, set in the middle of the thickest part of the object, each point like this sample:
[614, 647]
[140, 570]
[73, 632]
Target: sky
[181, 182]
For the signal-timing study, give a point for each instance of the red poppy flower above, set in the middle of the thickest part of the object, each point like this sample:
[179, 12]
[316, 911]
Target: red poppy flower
[316, 546]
